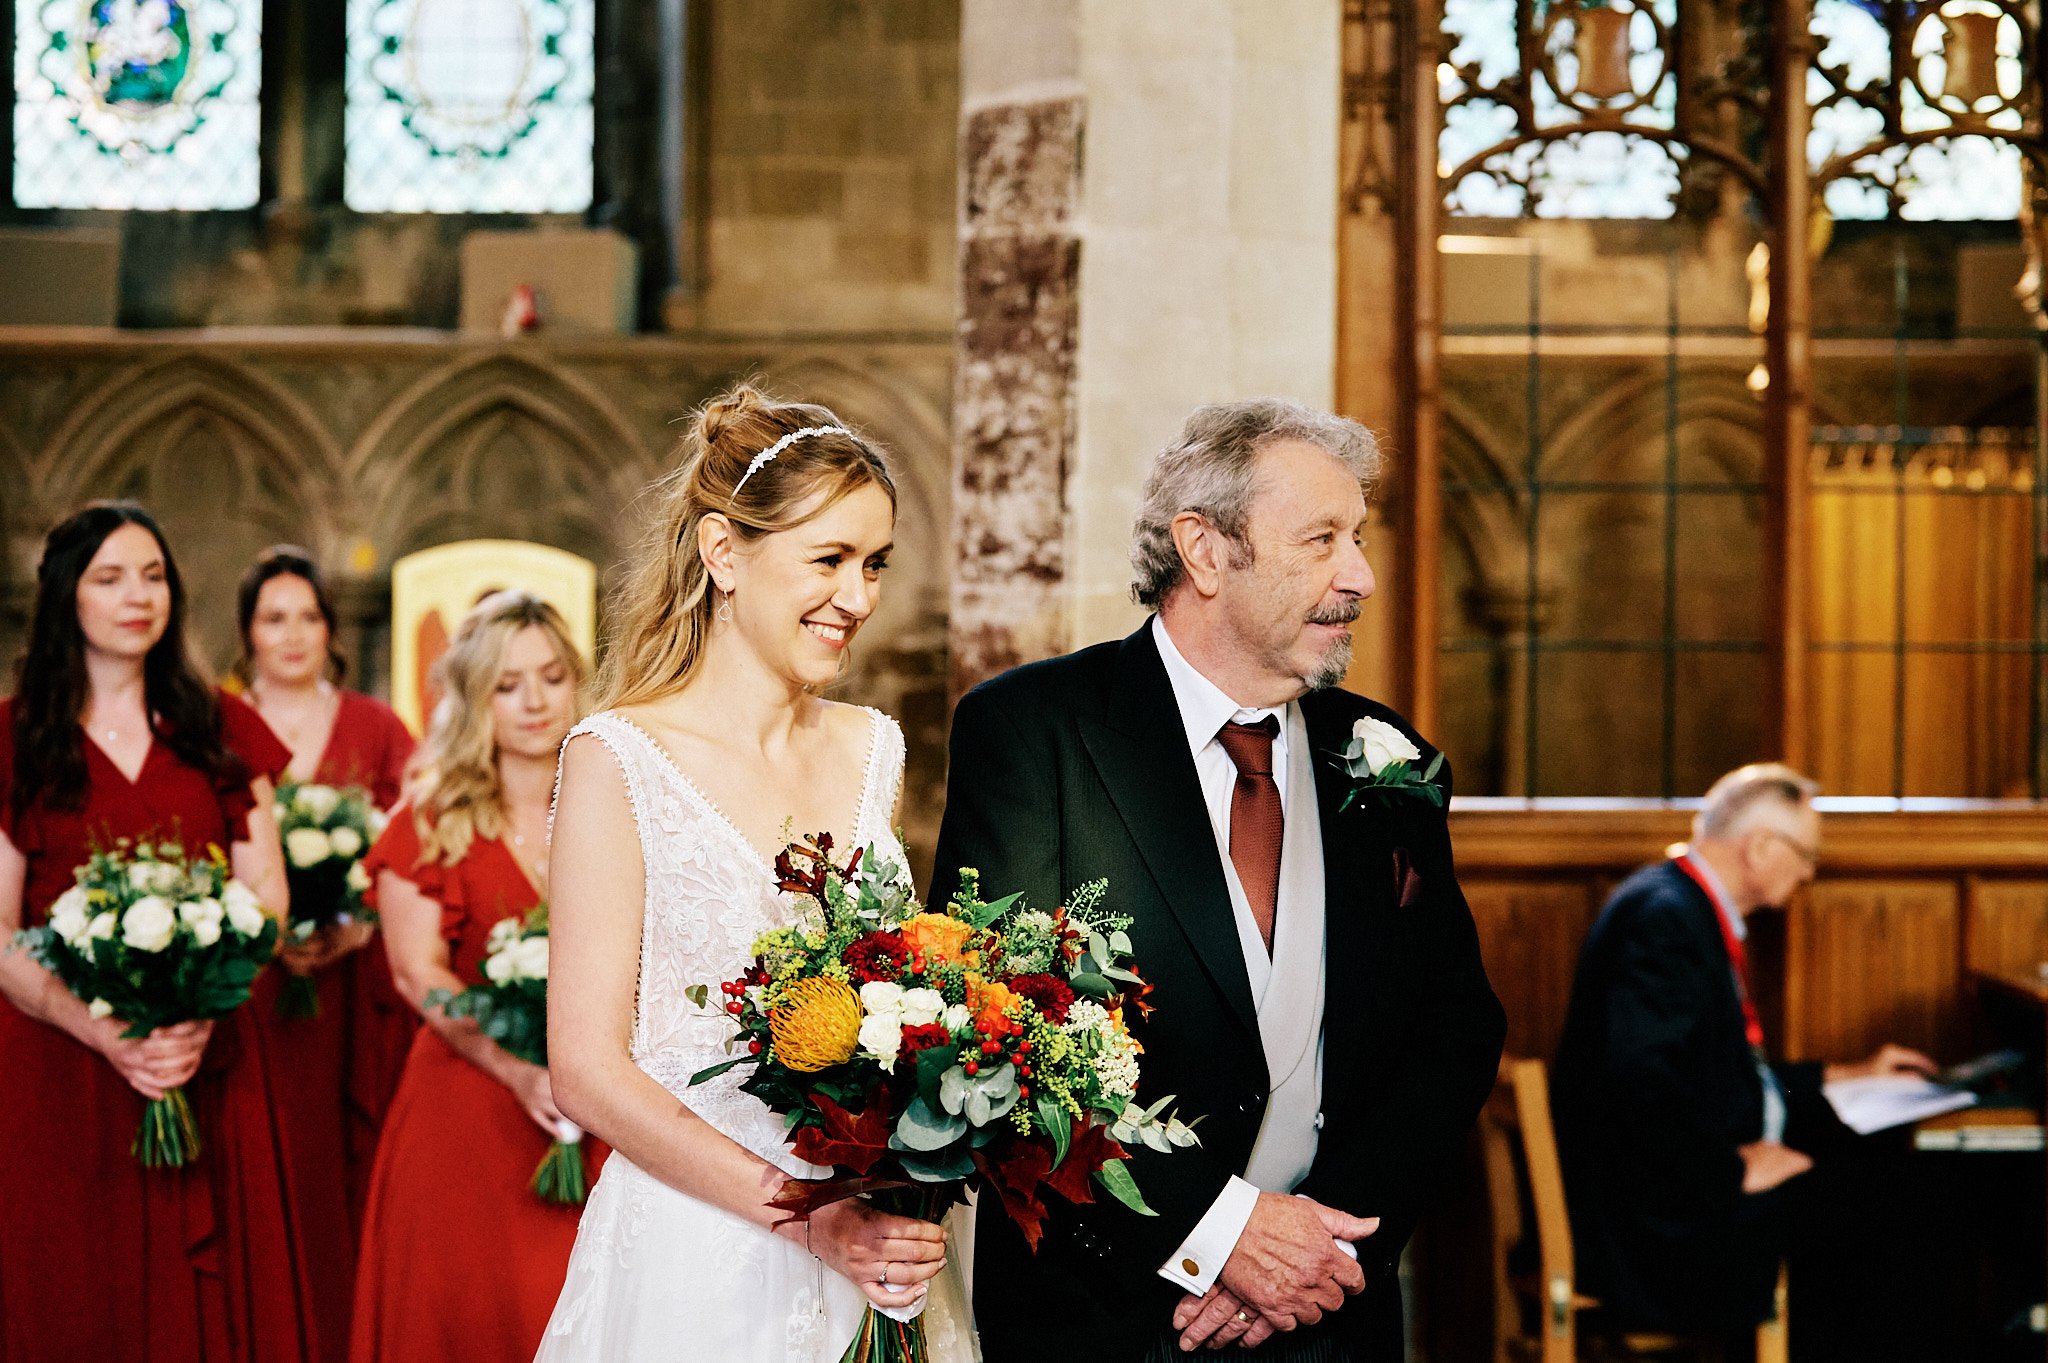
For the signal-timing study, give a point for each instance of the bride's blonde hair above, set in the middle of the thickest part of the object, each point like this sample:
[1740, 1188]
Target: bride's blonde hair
[452, 781]
[660, 615]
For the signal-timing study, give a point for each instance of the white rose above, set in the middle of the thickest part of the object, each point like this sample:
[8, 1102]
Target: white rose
[307, 847]
[532, 955]
[882, 998]
[203, 917]
[140, 874]
[102, 927]
[100, 1008]
[345, 840]
[504, 932]
[244, 909]
[278, 811]
[501, 968]
[149, 924]
[317, 801]
[881, 1037]
[70, 915]
[165, 878]
[358, 878]
[956, 1016]
[921, 1006]
[1382, 743]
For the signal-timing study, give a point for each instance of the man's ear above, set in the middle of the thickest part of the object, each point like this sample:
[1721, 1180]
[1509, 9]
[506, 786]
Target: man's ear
[715, 545]
[1203, 551]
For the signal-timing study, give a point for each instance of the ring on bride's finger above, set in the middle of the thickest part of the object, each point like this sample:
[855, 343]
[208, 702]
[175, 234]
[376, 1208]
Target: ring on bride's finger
[885, 1275]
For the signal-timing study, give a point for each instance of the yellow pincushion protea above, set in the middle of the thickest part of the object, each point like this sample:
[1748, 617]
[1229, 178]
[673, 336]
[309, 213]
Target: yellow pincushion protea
[816, 1024]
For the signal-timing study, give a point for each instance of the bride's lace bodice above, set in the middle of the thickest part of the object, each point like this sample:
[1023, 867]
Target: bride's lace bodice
[709, 895]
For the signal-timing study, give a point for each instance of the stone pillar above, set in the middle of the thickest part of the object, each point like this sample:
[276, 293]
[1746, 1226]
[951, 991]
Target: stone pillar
[1188, 256]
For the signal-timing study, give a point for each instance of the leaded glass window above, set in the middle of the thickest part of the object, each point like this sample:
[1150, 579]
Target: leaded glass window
[136, 103]
[470, 106]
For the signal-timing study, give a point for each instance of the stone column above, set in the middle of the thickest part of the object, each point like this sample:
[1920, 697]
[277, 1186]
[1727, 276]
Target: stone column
[1188, 256]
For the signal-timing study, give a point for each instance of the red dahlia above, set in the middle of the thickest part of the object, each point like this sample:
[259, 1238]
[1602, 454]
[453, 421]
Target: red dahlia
[923, 1036]
[1052, 994]
[875, 956]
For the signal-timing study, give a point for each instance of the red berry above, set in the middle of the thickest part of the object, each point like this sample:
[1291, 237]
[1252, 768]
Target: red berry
[733, 1007]
[1023, 1092]
[754, 1046]
[972, 1067]
[991, 1047]
[1024, 1070]
[1023, 1048]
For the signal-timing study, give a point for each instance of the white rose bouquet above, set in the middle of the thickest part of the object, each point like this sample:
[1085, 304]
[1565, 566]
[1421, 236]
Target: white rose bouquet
[155, 938]
[326, 831]
[512, 1010]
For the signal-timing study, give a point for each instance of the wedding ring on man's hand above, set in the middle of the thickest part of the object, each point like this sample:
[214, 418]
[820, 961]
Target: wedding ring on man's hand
[1243, 1317]
[885, 1275]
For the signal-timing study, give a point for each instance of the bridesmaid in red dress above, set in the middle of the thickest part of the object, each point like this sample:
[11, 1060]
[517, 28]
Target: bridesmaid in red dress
[461, 1260]
[333, 1074]
[114, 735]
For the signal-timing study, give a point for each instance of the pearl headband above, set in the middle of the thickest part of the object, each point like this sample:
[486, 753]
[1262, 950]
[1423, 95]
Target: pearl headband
[767, 456]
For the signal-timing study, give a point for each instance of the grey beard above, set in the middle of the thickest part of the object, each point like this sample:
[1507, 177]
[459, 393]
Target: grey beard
[1331, 669]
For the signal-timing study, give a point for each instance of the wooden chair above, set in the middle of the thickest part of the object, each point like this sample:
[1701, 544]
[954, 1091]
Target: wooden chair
[1537, 1310]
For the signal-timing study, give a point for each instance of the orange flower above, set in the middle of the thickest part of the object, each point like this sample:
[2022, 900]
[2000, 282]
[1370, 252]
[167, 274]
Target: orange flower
[817, 1024]
[937, 939]
[989, 999]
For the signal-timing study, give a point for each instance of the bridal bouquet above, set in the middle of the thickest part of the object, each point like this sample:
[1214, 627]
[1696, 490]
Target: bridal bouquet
[921, 1053]
[326, 831]
[512, 1010]
[153, 938]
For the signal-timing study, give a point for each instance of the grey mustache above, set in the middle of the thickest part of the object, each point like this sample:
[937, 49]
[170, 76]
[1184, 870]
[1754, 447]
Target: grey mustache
[1337, 615]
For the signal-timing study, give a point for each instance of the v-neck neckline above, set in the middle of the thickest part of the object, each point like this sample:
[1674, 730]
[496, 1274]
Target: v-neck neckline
[719, 816]
[131, 782]
[327, 743]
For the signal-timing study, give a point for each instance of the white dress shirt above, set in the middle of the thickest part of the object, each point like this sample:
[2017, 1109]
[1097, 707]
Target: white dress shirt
[1294, 1036]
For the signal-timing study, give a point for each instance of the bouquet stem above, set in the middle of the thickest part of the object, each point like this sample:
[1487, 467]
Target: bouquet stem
[882, 1338]
[299, 999]
[561, 1177]
[169, 1138]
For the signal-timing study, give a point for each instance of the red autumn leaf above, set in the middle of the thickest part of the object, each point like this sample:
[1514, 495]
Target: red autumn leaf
[849, 1141]
[800, 1197]
[1090, 1149]
[1016, 1179]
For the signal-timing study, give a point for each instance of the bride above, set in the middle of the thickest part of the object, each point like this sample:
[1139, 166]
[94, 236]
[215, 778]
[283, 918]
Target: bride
[673, 802]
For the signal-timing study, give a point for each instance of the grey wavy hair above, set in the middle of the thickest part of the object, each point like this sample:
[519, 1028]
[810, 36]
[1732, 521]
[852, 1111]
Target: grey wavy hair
[1733, 806]
[1209, 471]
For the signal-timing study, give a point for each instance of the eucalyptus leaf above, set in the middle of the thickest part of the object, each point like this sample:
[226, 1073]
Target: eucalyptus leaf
[698, 994]
[1120, 942]
[1154, 1137]
[953, 1089]
[1087, 982]
[921, 1128]
[1117, 1179]
[945, 1166]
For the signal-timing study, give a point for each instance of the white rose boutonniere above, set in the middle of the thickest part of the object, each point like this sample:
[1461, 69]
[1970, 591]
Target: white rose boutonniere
[1381, 761]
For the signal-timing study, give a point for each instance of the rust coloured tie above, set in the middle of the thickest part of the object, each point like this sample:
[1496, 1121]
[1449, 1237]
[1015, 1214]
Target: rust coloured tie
[1255, 817]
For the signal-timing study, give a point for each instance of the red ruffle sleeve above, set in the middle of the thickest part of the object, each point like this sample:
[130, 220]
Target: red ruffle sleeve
[243, 732]
[397, 850]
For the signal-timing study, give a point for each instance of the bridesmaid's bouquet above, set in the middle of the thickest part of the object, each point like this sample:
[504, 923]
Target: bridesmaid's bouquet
[155, 938]
[326, 831]
[919, 1054]
[512, 1010]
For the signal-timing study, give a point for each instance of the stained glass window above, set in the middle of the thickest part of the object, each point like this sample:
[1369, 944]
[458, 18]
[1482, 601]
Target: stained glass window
[136, 103]
[470, 106]
[1582, 67]
[1850, 88]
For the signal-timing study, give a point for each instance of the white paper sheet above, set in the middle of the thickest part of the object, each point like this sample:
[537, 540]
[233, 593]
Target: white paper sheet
[1883, 1101]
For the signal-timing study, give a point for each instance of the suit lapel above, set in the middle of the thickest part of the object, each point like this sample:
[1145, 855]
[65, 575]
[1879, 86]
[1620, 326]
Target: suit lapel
[1357, 886]
[1140, 751]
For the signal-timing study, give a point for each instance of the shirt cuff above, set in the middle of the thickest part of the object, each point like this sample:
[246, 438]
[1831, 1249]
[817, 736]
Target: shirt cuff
[1200, 1258]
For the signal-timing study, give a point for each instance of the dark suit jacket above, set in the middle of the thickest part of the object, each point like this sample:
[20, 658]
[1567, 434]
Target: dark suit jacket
[1078, 768]
[1655, 1088]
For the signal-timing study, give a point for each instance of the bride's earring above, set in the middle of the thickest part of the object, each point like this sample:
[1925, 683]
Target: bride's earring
[724, 611]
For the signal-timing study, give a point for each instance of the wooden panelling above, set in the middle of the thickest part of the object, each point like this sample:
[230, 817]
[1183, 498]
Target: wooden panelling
[2006, 927]
[1529, 933]
[1875, 961]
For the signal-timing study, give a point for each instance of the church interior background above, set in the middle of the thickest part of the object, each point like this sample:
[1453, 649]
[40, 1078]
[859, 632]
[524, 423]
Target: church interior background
[1705, 337]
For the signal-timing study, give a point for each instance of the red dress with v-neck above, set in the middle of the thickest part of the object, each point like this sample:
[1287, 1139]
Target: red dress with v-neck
[333, 1074]
[460, 1259]
[100, 1258]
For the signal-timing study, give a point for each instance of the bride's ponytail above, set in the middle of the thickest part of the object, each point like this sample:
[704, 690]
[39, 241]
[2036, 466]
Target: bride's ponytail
[660, 615]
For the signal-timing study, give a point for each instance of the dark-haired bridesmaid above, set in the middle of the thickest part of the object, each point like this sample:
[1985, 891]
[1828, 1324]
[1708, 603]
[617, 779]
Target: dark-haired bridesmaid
[114, 734]
[334, 1073]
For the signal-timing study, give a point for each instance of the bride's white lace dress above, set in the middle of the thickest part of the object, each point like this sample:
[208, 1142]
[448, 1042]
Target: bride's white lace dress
[657, 1274]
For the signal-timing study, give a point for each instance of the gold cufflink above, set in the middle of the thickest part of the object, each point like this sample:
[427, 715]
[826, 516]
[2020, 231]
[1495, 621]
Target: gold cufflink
[1191, 1268]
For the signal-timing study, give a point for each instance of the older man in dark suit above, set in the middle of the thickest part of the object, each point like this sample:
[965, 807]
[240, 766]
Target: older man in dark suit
[1319, 998]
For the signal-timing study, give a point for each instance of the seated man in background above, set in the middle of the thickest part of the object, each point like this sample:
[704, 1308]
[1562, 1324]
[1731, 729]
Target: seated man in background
[1675, 1131]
